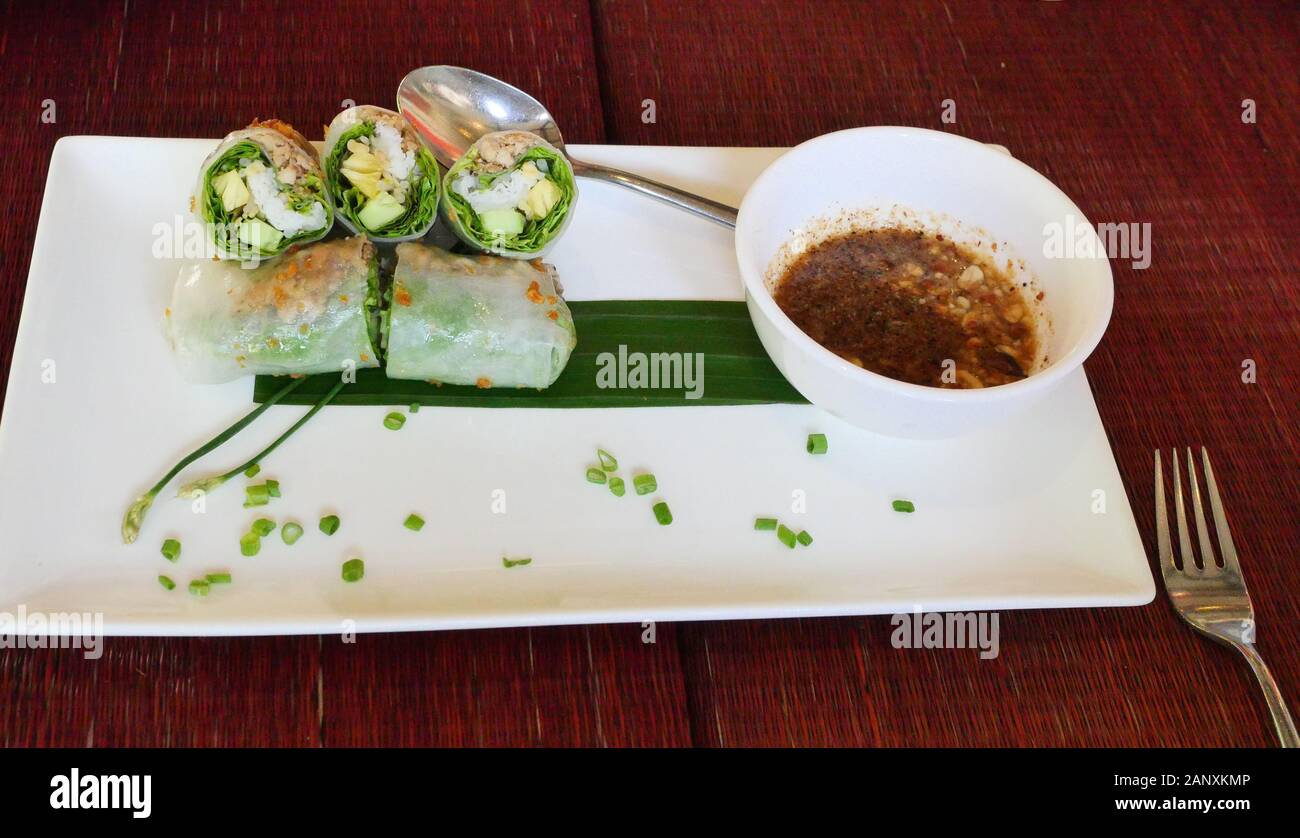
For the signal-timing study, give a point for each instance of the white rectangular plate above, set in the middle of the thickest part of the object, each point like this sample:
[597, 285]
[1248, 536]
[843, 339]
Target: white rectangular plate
[1004, 519]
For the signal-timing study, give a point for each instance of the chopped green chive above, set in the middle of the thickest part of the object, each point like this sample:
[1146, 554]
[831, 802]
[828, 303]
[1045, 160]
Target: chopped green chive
[617, 486]
[329, 524]
[258, 495]
[353, 570]
[166, 582]
[263, 526]
[218, 579]
[644, 484]
[290, 532]
[904, 506]
[171, 549]
[199, 587]
[764, 523]
[607, 461]
[786, 535]
[816, 443]
[413, 522]
[415, 407]
[803, 538]
[252, 470]
[515, 562]
[595, 475]
[394, 421]
[273, 488]
[250, 543]
[663, 514]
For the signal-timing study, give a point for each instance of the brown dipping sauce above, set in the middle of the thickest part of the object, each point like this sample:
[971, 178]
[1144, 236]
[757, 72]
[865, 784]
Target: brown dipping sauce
[900, 302]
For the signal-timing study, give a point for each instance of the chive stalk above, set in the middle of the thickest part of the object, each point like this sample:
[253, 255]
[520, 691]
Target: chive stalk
[644, 484]
[804, 538]
[171, 549]
[595, 475]
[904, 506]
[394, 421]
[413, 522]
[765, 523]
[817, 444]
[607, 461]
[263, 527]
[785, 535]
[218, 578]
[329, 524]
[136, 512]
[166, 582]
[617, 486]
[250, 544]
[207, 484]
[663, 514]
[508, 562]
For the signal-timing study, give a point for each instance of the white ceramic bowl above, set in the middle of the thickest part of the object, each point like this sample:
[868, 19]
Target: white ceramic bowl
[972, 192]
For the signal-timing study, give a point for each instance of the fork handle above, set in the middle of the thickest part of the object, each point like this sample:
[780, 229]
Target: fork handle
[1286, 731]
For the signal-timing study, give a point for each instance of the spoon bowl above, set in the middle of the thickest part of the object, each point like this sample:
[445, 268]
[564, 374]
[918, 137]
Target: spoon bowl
[451, 107]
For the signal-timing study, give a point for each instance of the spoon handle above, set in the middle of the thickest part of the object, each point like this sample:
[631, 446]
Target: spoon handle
[703, 207]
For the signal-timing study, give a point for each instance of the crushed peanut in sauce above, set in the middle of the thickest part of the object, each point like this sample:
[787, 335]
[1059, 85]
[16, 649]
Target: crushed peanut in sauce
[913, 306]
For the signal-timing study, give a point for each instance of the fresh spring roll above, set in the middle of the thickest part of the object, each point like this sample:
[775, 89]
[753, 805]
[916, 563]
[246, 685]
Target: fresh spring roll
[314, 310]
[383, 180]
[476, 320]
[262, 191]
[511, 194]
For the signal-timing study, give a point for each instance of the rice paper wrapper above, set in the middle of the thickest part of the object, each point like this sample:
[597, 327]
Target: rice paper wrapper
[476, 320]
[423, 205]
[292, 158]
[307, 312]
[509, 149]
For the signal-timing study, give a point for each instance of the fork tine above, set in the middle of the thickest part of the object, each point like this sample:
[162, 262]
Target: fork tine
[1184, 537]
[1165, 549]
[1226, 548]
[1208, 562]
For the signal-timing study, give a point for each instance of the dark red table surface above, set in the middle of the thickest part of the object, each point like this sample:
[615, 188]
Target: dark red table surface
[1135, 110]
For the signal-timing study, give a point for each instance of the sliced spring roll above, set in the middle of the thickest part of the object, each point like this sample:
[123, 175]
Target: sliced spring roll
[476, 320]
[512, 194]
[313, 310]
[261, 191]
[383, 180]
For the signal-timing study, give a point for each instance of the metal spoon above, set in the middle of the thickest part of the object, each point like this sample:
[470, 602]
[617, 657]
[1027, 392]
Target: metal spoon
[452, 107]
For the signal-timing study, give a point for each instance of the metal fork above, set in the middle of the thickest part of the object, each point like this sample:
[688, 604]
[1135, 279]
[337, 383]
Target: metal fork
[1213, 599]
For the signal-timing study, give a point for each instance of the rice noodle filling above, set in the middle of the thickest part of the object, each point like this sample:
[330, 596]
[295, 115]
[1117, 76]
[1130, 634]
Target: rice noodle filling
[388, 142]
[506, 192]
[274, 203]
